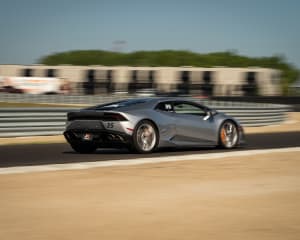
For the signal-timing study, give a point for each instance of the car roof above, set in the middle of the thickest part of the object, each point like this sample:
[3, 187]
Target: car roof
[164, 99]
[153, 101]
[160, 99]
[137, 103]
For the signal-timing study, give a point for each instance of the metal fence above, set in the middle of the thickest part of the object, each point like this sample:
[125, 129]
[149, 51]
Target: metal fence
[51, 121]
[62, 99]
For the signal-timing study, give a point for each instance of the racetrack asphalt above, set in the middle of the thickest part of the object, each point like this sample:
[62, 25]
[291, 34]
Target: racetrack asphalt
[40, 154]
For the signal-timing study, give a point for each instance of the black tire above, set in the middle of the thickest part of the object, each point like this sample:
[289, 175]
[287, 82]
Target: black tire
[143, 141]
[83, 147]
[230, 141]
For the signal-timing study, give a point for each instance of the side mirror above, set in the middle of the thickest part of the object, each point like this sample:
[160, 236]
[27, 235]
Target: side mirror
[208, 115]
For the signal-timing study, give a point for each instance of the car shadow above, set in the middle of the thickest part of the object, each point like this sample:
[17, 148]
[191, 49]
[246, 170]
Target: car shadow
[166, 151]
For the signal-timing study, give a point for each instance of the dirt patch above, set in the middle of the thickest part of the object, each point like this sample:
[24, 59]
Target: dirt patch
[232, 198]
[292, 124]
[32, 140]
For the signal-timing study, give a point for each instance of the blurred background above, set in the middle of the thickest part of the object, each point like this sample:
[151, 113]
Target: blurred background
[240, 57]
[208, 49]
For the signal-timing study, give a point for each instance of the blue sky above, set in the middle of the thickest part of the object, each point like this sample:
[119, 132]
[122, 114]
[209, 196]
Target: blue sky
[30, 29]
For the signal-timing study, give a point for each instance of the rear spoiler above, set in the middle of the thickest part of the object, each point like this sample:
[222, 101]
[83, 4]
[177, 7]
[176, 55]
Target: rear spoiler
[95, 115]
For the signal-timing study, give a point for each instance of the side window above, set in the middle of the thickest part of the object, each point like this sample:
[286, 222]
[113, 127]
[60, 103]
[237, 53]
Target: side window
[187, 108]
[165, 106]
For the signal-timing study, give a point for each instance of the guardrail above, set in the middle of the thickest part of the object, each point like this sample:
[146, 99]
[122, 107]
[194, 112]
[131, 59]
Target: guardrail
[293, 101]
[62, 99]
[51, 121]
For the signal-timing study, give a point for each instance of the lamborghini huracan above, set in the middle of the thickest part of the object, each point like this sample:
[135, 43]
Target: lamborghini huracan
[146, 124]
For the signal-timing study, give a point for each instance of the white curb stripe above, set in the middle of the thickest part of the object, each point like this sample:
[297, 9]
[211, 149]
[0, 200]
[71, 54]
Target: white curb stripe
[138, 161]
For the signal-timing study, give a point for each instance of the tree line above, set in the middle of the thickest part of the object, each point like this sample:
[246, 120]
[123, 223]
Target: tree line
[173, 58]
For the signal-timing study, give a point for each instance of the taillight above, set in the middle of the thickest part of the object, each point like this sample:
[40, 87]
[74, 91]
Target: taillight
[114, 117]
[93, 115]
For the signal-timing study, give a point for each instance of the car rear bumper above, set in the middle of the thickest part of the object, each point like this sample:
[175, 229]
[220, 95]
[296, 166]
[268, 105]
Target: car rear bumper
[78, 131]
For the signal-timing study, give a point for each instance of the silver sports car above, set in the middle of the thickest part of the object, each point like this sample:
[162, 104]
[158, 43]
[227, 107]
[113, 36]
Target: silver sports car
[146, 124]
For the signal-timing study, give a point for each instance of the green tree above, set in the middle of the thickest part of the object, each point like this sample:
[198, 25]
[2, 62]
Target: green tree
[174, 58]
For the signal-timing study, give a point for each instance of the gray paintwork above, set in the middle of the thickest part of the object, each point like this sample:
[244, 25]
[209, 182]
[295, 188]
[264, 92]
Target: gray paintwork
[174, 129]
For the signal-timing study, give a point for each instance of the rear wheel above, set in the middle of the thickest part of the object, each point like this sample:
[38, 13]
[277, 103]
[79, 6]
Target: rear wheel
[145, 137]
[83, 147]
[228, 135]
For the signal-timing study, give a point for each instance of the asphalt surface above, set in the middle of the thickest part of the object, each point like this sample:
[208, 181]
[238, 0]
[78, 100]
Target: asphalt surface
[39, 154]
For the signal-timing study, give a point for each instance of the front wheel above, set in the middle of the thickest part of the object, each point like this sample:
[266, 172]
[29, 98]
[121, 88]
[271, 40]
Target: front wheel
[228, 135]
[83, 147]
[145, 137]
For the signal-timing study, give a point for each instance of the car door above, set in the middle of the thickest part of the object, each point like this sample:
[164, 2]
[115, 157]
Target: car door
[166, 121]
[192, 125]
